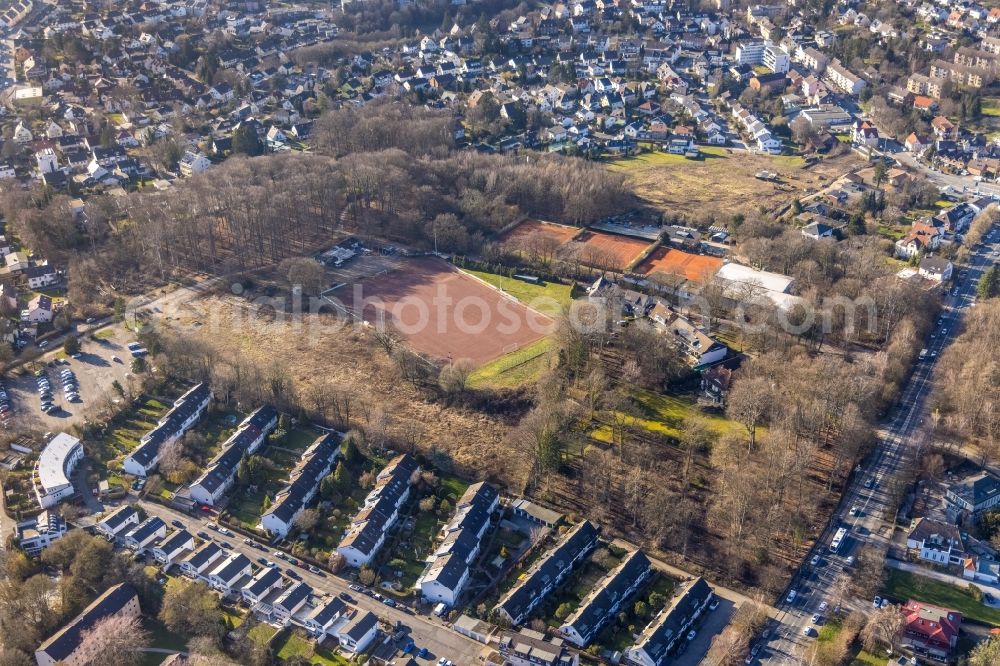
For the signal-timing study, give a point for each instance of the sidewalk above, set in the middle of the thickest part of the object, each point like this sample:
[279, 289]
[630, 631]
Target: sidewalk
[957, 581]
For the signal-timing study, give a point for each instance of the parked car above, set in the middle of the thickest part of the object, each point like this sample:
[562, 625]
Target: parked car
[823, 606]
[346, 597]
[877, 602]
[356, 588]
[791, 597]
[691, 635]
[204, 535]
[177, 523]
[389, 602]
[816, 618]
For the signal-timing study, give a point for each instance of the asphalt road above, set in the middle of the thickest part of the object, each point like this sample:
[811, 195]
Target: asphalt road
[869, 489]
[426, 630]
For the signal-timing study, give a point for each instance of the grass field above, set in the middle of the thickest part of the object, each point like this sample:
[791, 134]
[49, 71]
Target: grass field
[516, 369]
[295, 645]
[665, 415]
[548, 298]
[990, 107]
[723, 181]
[902, 585]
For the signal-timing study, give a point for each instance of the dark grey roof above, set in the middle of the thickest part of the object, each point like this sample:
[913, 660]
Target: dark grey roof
[658, 638]
[293, 596]
[331, 609]
[233, 568]
[521, 597]
[62, 644]
[175, 541]
[204, 555]
[264, 581]
[170, 424]
[119, 517]
[305, 477]
[221, 470]
[146, 529]
[602, 602]
[361, 625]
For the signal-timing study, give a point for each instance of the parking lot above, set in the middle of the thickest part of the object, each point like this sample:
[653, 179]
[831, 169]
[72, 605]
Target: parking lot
[95, 370]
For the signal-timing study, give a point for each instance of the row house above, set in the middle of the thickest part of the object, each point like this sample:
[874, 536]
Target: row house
[380, 511]
[186, 411]
[603, 602]
[548, 573]
[221, 472]
[303, 484]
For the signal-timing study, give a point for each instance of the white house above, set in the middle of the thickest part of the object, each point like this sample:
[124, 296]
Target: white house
[118, 522]
[265, 581]
[185, 413]
[938, 269]
[449, 564]
[604, 601]
[197, 563]
[221, 472]
[39, 310]
[290, 602]
[146, 533]
[303, 484]
[54, 468]
[935, 541]
[357, 635]
[324, 617]
[173, 547]
[38, 533]
[381, 508]
[193, 163]
[661, 639]
[229, 572]
[547, 573]
[41, 275]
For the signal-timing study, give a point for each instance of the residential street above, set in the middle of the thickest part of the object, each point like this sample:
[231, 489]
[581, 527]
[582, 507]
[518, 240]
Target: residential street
[868, 490]
[426, 630]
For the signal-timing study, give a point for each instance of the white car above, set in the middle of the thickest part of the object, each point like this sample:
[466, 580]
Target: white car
[877, 602]
[692, 634]
[814, 561]
[791, 597]
[823, 606]
[816, 618]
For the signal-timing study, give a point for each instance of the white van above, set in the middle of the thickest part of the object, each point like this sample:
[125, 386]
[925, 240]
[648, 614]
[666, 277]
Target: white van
[440, 609]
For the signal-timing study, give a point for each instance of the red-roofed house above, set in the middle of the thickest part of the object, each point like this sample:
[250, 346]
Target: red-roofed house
[924, 103]
[944, 128]
[930, 630]
[922, 238]
[915, 143]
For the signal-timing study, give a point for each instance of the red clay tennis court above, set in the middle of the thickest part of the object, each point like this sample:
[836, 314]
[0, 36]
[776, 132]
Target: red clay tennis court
[620, 251]
[694, 267]
[519, 234]
[444, 313]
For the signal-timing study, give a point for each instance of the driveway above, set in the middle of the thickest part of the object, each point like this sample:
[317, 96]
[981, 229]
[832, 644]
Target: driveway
[713, 623]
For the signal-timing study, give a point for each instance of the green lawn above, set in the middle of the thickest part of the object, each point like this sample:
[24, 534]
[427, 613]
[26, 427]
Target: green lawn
[518, 368]
[294, 644]
[665, 415]
[990, 107]
[868, 659]
[902, 585]
[548, 298]
[648, 159]
[261, 633]
[299, 438]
